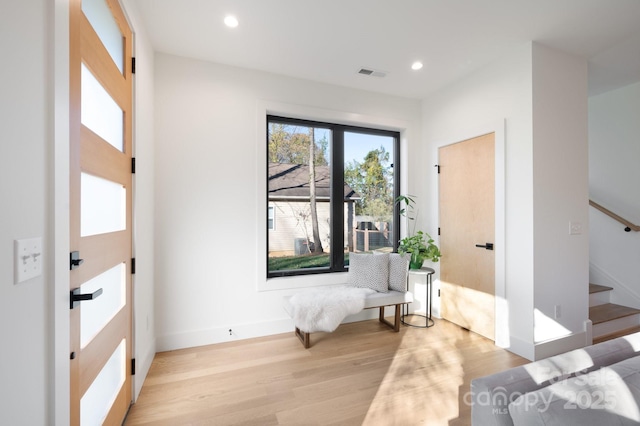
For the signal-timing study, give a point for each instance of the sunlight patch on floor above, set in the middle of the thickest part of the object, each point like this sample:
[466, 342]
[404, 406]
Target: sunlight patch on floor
[413, 382]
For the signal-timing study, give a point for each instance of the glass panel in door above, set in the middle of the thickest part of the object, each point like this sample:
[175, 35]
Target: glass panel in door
[104, 24]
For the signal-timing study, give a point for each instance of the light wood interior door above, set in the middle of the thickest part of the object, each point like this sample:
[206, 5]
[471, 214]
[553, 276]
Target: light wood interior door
[100, 211]
[467, 220]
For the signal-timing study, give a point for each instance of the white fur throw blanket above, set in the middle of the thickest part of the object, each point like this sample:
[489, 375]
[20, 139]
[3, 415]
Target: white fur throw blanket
[323, 309]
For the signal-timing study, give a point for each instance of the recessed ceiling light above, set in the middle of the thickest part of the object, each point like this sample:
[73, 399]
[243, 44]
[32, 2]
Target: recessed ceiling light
[416, 65]
[231, 21]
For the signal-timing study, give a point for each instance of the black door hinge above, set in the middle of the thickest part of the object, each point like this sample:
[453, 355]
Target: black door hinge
[133, 366]
[133, 265]
[133, 165]
[133, 65]
[438, 292]
[438, 166]
[438, 230]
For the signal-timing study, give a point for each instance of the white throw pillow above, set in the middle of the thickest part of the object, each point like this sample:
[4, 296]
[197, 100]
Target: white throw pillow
[369, 271]
[398, 270]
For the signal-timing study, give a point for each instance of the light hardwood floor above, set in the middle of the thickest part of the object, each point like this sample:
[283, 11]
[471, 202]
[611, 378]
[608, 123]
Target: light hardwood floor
[361, 374]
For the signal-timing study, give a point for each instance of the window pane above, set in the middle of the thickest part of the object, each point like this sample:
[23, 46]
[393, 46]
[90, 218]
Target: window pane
[272, 218]
[368, 170]
[99, 112]
[349, 172]
[105, 25]
[103, 206]
[300, 195]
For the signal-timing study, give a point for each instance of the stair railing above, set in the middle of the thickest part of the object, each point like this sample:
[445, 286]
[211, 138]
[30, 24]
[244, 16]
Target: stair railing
[628, 225]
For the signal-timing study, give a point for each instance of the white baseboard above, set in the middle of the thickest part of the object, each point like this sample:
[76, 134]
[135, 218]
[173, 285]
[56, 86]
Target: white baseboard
[560, 345]
[211, 336]
[247, 331]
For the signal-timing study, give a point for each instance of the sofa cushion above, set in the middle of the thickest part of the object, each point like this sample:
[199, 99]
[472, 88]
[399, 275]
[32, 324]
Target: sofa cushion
[608, 396]
[491, 395]
[387, 299]
[369, 271]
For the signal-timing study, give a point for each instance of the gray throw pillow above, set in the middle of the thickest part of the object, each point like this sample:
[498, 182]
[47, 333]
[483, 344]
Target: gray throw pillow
[398, 269]
[369, 271]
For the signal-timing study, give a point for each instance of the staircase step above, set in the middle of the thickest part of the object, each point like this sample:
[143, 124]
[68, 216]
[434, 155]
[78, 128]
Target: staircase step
[610, 311]
[609, 318]
[620, 333]
[597, 288]
[599, 294]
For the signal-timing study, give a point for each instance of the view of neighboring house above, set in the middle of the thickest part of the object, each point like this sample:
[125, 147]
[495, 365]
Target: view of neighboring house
[290, 228]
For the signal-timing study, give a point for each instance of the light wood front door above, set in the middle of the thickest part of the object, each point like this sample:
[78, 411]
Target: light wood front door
[467, 220]
[100, 212]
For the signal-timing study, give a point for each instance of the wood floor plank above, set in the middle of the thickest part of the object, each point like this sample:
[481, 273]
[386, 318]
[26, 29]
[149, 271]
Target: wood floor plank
[360, 374]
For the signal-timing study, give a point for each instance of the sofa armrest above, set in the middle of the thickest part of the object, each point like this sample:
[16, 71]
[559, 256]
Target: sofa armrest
[491, 395]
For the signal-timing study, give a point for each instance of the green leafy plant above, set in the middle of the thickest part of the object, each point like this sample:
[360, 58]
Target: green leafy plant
[419, 244]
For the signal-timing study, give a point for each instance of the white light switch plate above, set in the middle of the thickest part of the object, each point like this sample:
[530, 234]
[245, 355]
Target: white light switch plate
[575, 228]
[27, 259]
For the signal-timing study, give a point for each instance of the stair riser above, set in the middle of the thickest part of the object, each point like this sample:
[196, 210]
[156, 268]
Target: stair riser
[613, 326]
[600, 298]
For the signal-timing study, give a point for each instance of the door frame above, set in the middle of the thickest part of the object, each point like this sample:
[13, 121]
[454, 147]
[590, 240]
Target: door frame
[59, 404]
[469, 132]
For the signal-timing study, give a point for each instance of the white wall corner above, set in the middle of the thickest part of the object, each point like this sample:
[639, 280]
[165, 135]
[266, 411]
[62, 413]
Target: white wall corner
[521, 347]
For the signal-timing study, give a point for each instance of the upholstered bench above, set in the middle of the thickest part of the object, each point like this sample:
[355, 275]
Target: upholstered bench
[374, 281]
[374, 300]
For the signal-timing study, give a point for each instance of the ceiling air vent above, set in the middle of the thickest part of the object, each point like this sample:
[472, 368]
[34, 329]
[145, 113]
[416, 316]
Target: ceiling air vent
[371, 72]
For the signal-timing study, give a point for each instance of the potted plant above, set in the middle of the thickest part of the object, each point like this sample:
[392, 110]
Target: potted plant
[419, 244]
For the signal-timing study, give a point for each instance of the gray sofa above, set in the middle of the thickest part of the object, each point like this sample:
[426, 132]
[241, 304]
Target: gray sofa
[596, 385]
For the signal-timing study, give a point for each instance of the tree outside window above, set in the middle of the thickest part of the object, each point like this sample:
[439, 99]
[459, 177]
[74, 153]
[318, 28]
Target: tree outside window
[332, 188]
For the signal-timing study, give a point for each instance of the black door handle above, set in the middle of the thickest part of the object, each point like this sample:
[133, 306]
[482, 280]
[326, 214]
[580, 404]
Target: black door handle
[488, 246]
[76, 297]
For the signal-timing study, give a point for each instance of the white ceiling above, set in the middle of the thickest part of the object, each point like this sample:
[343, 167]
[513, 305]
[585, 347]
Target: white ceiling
[330, 40]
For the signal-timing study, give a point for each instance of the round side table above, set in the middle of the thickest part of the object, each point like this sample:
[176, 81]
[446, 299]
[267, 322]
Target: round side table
[427, 273]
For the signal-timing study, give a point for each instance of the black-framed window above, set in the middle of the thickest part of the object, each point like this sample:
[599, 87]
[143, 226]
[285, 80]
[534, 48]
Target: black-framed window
[333, 187]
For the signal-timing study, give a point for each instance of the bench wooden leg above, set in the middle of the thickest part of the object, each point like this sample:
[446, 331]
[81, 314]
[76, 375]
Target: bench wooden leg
[304, 338]
[396, 323]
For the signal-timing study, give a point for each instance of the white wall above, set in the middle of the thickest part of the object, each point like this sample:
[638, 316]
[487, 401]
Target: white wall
[614, 151]
[210, 202]
[560, 196]
[144, 227]
[614, 174]
[497, 93]
[25, 175]
[506, 91]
